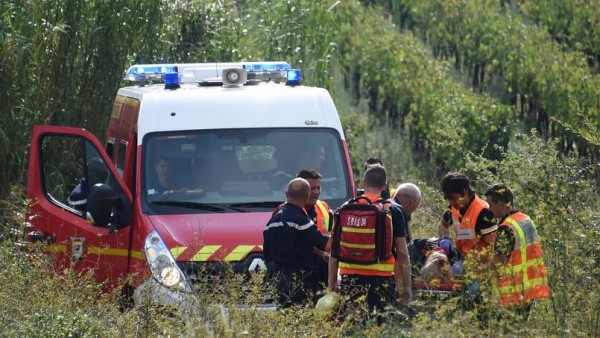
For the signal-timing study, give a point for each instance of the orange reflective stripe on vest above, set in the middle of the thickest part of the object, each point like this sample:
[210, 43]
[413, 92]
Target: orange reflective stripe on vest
[523, 276]
[466, 237]
[323, 217]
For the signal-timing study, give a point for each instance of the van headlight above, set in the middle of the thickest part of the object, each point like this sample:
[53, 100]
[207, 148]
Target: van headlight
[162, 264]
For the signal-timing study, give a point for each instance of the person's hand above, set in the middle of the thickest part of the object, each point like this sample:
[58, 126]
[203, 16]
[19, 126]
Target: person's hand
[325, 255]
[445, 223]
[447, 219]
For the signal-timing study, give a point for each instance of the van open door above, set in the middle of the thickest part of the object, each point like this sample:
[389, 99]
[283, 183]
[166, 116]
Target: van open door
[70, 181]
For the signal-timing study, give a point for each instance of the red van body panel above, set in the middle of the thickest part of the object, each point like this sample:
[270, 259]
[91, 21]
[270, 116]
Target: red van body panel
[70, 239]
[212, 237]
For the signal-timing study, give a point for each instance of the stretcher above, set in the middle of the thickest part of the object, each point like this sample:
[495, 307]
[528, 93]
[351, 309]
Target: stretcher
[430, 294]
[418, 250]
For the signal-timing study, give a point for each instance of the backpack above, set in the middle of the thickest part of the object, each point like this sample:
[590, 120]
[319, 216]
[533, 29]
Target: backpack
[362, 232]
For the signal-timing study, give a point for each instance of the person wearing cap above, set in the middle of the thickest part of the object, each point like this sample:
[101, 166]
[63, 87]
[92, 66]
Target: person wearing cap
[96, 173]
[518, 260]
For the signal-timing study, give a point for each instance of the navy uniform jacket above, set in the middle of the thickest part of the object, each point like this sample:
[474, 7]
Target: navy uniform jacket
[78, 197]
[289, 238]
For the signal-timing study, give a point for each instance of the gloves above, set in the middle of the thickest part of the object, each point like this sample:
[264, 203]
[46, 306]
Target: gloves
[446, 245]
[457, 268]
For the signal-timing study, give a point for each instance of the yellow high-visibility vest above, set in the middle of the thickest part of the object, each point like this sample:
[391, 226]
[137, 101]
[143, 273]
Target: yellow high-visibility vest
[523, 277]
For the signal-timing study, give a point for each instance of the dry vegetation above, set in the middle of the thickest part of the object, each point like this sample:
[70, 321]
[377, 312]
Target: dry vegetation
[421, 84]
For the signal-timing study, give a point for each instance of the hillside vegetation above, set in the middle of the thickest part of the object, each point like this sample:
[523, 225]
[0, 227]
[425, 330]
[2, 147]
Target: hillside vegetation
[502, 90]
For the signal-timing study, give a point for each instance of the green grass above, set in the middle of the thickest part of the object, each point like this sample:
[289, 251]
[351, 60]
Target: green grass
[399, 98]
[552, 189]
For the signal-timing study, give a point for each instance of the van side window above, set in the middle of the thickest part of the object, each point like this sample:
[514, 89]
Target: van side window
[121, 157]
[70, 166]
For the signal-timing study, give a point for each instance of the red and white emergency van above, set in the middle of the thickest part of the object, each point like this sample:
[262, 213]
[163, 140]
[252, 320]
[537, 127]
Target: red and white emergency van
[194, 165]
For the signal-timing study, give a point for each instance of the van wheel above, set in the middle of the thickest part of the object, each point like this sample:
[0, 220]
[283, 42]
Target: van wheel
[125, 300]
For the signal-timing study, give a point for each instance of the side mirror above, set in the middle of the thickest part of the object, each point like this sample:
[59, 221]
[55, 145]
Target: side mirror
[99, 205]
[105, 209]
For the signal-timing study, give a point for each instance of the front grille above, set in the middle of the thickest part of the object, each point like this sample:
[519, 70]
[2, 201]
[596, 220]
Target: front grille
[230, 281]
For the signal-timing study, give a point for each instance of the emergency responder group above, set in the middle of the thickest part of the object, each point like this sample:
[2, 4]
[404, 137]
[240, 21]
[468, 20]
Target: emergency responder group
[488, 236]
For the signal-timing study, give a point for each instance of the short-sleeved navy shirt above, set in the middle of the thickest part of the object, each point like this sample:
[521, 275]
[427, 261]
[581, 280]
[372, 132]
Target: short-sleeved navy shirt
[289, 237]
[399, 220]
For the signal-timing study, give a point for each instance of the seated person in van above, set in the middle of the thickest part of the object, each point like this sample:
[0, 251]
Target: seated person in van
[97, 173]
[311, 156]
[164, 181]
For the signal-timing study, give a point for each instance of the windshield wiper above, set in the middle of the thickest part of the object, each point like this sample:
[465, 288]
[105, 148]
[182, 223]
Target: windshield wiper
[201, 206]
[191, 205]
[262, 204]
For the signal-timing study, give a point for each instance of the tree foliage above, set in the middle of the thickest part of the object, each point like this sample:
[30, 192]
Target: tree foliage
[427, 85]
[534, 56]
[557, 193]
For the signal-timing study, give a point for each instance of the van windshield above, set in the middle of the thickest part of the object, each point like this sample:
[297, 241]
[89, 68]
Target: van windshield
[234, 170]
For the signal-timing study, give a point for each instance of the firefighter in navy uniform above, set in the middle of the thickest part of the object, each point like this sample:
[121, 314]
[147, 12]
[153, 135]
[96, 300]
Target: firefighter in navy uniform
[97, 172]
[289, 239]
[320, 213]
[380, 283]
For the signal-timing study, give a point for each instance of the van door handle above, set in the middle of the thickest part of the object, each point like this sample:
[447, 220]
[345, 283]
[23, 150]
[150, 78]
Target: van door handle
[38, 236]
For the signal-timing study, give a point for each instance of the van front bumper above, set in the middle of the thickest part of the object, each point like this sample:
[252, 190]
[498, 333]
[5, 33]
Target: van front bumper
[154, 293]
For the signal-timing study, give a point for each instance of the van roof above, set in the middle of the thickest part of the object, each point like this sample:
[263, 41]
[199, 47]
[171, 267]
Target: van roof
[265, 105]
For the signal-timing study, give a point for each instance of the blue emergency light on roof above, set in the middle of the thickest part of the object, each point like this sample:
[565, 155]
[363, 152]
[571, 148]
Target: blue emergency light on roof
[171, 81]
[175, 74]
[267, 66]
[150, 73]
[293, 77]
[267, 71]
